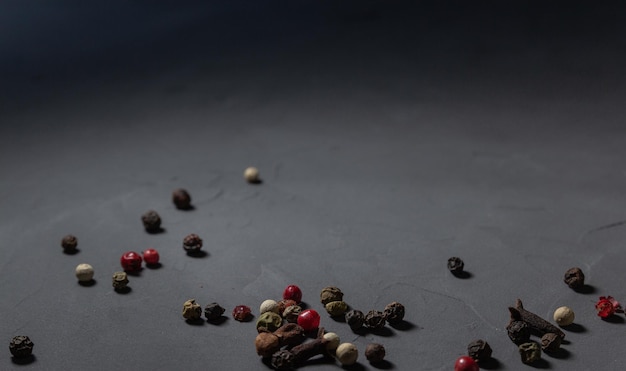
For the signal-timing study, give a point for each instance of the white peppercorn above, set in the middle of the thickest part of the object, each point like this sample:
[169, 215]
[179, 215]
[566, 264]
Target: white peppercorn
[347, 354]
[251, 175]
[84, 272]
[333, 341]
[268, 305]
[564, 316]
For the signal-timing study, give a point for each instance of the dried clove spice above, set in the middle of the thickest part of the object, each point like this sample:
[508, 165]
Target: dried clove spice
[574, 278]
[288, 359]
[538, 325]
[266, 344]
[479, 350]
[550, 342]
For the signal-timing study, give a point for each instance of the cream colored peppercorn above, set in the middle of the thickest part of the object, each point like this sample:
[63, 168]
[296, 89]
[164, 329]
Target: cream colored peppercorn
[251, 175]
[347, 354]
[192, 310]
[269, 305]
[564, 316]
[84, 272]
[334, 341]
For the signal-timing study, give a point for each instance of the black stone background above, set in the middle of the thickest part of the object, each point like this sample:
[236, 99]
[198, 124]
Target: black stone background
[390, 136]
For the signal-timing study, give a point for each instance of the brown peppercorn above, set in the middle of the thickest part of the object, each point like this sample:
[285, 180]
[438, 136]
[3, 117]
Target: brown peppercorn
[530, 352]
[375, 319]
[479, 350]
[192, 243]
[69, 244]
[290, 334]
[355, 319]
[21, 346]
[181, 199]
[266, 344]
[518, 331]
[291, 313]
[375, 352]
[213, 312]
[329, 294]
[550, 342]
[394, 312]
[455, 265]
[574, 278]
[151, 221]
[191, 310]
[281, 305]
[336, 308]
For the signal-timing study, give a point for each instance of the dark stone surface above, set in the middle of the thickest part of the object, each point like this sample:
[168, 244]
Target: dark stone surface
[389, 135]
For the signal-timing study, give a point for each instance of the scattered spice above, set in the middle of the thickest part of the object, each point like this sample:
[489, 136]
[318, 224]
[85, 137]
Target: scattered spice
[455, 265]
[242, 313]
[479, 350]
[518, 331]
[550, 342]
[21, 346]
[213, 312]
[537, 325]
[574, 278]
[120, 281]
[151, 221]
[465, 363]
[268, 305]
[269, 322]
[268, 343]
[181, 199]
[394, 313]
[375, 319]
[69, 243]
[309, 319]
[288, 359]
[605, 307]
[131, 261]
[192, 243]
[151, 257]
[192, 310]
[84, 272]
[355, 319]
[251, 174]
[293, 292]
[291, 313]
[284, 304]
[530, 352]
[330, 294]
[564, 316]
[347, 354]
[374, 352]
[333, 341]
[283, 360]
[336, 308]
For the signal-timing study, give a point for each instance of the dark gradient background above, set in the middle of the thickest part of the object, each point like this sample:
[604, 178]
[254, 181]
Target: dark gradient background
[390, 135]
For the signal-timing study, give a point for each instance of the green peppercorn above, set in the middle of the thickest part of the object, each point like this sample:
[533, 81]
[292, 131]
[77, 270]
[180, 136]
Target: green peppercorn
[269, 321]
[530, 352]
[336, 308]
[192, 311]
[120, 281]
[330, 293]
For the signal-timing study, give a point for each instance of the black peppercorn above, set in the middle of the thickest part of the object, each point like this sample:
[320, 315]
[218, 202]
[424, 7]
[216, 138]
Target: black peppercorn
[394, 313]
[479, 350]
[574, 278]
[375, 319]
[181, 199]
[355, 319]
[21, 346]
[375, 352]
[192, 243]
[455, 265]
[151, 221]
[213, 312]
[69, 243]
[518, 331]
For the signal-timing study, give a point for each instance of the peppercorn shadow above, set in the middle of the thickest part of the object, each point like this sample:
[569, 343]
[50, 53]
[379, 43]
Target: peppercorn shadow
[218, 321]
[403, 325]
[585, 289]
[490, 364]
[463, 275]
[23, 361]
[575, 327]
[89, 283]
[540, 363]
[383, 331]
[195, 321]
[154, 266]
[135, 273]
[614, 319]
[383, 365]
[560, 353]
[159, 230]
[197, 253]
[355, 367]
[124, 290]
[71, 252]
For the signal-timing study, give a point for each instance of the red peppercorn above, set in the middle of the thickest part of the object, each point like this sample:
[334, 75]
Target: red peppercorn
[466, 363]
[131, 261]
[293, 292]
[242, 313]
[309, 319]
[605, 308]
[151, 256]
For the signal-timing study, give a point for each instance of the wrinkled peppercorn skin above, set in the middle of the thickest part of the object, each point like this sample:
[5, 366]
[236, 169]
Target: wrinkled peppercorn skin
[21, 346]
[181, 199]
[213, 312]
[518, 332]
[479, 350]
[330, 294]
[455, 265]
[375, 319]
[375, 352]
[151, 221]
[550, 342]
[355, 319]
[394, 313]
[574, 278]
[192, 243]
[530, 352]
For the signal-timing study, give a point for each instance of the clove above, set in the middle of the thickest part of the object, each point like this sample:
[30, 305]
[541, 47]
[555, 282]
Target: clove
[287, 359]
[538, 325]
[267, 343]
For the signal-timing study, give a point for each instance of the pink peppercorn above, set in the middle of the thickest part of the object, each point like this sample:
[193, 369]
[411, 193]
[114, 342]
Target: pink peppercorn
[605, 308]
[466, 363]
[242, 313]
[309, 319]
[151, 256]
[293, 292]
[131, 261]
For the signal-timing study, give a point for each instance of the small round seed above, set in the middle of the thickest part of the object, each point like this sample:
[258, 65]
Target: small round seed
[84, 272]
[347, 354]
